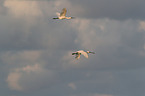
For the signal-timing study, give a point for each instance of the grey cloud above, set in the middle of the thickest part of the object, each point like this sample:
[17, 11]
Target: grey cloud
[109, 56]
[117, 83]
[117, 44]
[3, 9]
[113, 9]
[18, 36]
[33, 0]
[29, 78]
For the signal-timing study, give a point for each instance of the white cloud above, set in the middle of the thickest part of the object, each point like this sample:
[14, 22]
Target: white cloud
[142, 25]
[120, 9]
[102, 95]
[72, 85]
[91, 94]
[13, 81]
[31, 78]
[2, 8]
[21, 57]
[23, 8]
[35, 52]
[113, 41]
[87, 33]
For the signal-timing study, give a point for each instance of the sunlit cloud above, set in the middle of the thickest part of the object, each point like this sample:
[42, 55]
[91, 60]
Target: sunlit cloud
[30, 0]
[91, 94]
[72, 85]
[142, 25]
[36, 51]
[25, 57]
[31, 78]
[23, 8]
[13, 81]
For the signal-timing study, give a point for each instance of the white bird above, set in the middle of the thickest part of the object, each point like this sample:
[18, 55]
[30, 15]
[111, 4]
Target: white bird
[78, 53]
[62, 15]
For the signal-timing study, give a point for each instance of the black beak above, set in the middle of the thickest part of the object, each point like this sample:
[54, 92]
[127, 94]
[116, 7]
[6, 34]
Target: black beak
[72, 17]
[55, 18]
[92, 52]
[73, 53]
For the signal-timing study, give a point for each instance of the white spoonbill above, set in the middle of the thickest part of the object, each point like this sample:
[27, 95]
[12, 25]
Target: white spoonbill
[62, 15]
[78, 53]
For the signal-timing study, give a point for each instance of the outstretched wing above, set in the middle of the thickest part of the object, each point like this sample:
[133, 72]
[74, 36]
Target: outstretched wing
[63, 13]
[77, 56]
[58, 14]
[84, 53]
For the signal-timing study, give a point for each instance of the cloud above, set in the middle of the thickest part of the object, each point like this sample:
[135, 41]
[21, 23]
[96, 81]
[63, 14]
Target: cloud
[17, 24]
[118, 43]
[36, 50]
[2, 8]
[91, 94]
[23, 8]
[13, 81]
[21, 57]
[112, 40]
[32, 25]
[72, 85]
[31, 78]
[142, 25]
[120, 9]
[101, 82]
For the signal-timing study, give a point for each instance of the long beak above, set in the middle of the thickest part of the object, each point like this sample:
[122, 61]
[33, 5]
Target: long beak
[73, 17]
[92, 52]
[55, 18]
[74, 53]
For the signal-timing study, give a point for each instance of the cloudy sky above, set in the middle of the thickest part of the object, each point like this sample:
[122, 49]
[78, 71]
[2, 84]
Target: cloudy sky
[35, 50]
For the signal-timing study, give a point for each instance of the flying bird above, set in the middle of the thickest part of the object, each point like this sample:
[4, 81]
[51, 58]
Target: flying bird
[62, 15]
[78, 53]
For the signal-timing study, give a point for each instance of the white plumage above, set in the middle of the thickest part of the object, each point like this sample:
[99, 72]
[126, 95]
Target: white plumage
[78, 53]
[62, 15]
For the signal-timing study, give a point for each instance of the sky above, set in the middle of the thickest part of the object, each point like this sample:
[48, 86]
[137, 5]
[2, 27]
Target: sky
[35, 52]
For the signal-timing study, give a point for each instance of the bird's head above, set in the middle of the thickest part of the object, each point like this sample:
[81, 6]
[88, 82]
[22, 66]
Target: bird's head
[90, 52]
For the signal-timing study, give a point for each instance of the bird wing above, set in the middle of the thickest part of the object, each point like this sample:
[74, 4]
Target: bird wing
[77, 56]
[58, 14]
[84, 53]
[63, 13]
